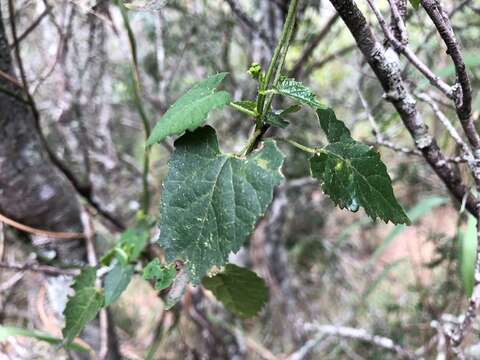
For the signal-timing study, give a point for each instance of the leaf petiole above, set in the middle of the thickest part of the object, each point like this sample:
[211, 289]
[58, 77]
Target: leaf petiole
[243, 110]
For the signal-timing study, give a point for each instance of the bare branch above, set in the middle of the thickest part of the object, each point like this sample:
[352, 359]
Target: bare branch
[50, 270]
[386, 66]
[361, 335]
[39, 232]
[463, 100]
[410, 55]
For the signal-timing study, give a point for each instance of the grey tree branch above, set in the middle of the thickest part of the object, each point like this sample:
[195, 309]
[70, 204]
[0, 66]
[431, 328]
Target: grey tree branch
[361, 335]
[410, 55]
[49, 270]
[463, 99]
[386, 67]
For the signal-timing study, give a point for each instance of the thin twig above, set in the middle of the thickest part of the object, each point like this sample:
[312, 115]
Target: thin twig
[46, 269]
[410, 55]
[361, 335]
[39, 232]
[467, 153]
[32, 26]
[463, 95]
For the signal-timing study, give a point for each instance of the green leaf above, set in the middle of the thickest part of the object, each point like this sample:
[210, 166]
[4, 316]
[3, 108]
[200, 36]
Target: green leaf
[415, 4]
[85, 279]
[163, 275]
[334, 129]
[7, 331]
[247, 104]
[133, 241]
[290, 110]
[467, 254]
[83, 306]
[275, 119]
[240, 290]
[129, 247]
[353, 175]
[116, 282]
[296, 90]
[211, 201]
[191, 110]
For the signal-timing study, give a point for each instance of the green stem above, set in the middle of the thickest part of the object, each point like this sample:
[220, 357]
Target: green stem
[278, 73]
[300, 146]
[243, 110]
[278, 59]
[145, 201]
[285, 38]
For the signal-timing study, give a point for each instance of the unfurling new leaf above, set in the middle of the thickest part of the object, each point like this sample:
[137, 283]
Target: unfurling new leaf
[191, 110]
[212, 201]
[240, 290]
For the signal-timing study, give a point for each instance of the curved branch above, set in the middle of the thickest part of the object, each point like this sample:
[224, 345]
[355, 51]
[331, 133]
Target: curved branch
[385, 64]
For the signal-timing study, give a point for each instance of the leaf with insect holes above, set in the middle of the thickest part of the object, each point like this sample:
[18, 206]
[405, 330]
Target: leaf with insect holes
[240, 290]
[211, 200]
[353, 175]
[191, 110]
[83, 306]
[163, 275]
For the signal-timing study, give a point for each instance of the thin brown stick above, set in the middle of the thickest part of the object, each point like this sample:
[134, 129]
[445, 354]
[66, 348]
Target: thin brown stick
[32, 26]
[11, 79]
[50, 270]
[40, 232]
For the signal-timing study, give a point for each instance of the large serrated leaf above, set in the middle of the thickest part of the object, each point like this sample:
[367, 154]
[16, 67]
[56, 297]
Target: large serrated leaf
[240, 290]
[467, 255]
[83, 306]
[190, 110]
[117, 281]
[211, 200]
[296, 90]
[353, 175]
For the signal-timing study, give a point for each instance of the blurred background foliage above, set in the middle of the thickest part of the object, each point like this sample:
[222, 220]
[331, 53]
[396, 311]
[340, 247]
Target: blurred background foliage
[322, 265]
